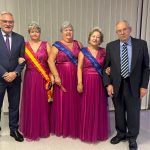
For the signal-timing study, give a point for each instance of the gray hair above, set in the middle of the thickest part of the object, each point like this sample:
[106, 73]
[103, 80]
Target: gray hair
[125, 21]
[65, 24]
[34, 25]
[6, 12]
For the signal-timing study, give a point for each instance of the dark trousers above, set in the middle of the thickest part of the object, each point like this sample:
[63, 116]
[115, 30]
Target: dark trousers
[13, 92]
[127, 111]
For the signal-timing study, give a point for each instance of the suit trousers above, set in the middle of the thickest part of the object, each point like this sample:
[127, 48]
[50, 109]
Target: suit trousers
[127, 111]
[13, 92]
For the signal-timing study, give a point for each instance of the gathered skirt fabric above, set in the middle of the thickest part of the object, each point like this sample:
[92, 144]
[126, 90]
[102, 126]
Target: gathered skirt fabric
[94, 115]
[66, 105]
[35, 109]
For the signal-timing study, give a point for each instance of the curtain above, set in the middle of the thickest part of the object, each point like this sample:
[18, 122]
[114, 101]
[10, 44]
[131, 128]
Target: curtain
[145, 34]
[84, 15]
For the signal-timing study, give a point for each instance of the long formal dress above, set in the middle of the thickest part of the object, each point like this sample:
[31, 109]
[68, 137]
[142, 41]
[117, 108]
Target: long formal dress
[65, 107]
[35, 109]
[94, 118]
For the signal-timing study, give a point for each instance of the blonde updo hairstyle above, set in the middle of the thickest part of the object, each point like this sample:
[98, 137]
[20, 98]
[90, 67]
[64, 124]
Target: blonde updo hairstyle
[34, 25]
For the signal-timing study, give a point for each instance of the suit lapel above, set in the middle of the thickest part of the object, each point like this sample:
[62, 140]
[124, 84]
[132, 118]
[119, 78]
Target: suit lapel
[13, 42]
[135, 52]
[117, 55]
[3, 45]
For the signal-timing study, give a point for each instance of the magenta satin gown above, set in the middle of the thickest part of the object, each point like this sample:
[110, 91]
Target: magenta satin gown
[94, 116]
[35, 109]
[65, 107]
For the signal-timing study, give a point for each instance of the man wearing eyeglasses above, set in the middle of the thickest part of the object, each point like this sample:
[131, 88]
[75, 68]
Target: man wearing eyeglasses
[128, 82]
[12, 47]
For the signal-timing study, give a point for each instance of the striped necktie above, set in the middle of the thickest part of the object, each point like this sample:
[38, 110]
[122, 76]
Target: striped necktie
[124, 61]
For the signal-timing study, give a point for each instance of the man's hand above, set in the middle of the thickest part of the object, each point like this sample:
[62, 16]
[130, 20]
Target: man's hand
[10, 76]
[108, 70]
[143, 92]
[110, 90]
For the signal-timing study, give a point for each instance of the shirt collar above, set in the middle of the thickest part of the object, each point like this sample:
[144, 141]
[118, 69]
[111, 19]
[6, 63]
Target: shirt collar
[3, 33]
[128, 43]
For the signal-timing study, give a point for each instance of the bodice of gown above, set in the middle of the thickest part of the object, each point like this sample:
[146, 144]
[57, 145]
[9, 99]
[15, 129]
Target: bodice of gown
[61, 56]
[41, 54]
[87, 65]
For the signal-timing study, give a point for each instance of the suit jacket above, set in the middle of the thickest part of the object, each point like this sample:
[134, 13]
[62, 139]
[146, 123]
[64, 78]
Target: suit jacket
[9, 61]
[139, 75]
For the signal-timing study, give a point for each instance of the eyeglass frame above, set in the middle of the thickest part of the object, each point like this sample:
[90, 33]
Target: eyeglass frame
[7, 21]
[123, 30]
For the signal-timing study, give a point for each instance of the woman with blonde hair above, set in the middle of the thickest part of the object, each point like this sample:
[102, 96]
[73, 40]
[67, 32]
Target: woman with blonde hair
[35, 109]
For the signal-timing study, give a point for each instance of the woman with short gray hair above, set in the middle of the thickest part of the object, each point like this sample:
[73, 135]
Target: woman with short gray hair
[63, 65]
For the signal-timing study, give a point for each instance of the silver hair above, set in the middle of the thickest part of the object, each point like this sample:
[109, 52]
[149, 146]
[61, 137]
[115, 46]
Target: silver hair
[34, 25]
[6, 12]
[65, 24]
[125, 21]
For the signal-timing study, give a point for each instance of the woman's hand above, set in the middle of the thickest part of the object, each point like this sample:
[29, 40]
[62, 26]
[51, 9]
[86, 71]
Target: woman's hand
[80, 87]
[57, 80]
[21, 60]
[108, 71]
[52, 78]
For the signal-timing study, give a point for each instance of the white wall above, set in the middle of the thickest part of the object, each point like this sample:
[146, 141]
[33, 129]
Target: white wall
[83, 14]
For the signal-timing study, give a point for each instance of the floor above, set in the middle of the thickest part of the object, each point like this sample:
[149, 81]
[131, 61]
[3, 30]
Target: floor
[59, 143]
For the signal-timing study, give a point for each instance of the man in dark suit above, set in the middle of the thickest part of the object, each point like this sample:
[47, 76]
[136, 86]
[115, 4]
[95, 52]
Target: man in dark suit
[12, 47]
[128, 81]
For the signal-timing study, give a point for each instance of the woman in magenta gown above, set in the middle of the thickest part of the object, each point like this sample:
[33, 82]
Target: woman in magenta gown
[65, 107]
[35, 109]
[94, 118]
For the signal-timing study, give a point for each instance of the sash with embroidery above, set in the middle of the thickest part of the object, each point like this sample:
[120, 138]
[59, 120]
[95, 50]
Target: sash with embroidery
[69, 54]
[41, 70]
[94, 62]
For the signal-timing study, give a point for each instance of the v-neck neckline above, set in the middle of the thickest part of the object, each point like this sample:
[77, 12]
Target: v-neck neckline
[91, 53]
[71, 50]
[35, 52]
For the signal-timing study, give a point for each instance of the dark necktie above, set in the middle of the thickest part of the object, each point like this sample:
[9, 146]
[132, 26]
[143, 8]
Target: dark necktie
[7, 42]
[124, 62]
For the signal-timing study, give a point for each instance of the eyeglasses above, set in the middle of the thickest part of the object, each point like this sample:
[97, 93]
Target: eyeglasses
[7, 21]
[122, 31]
